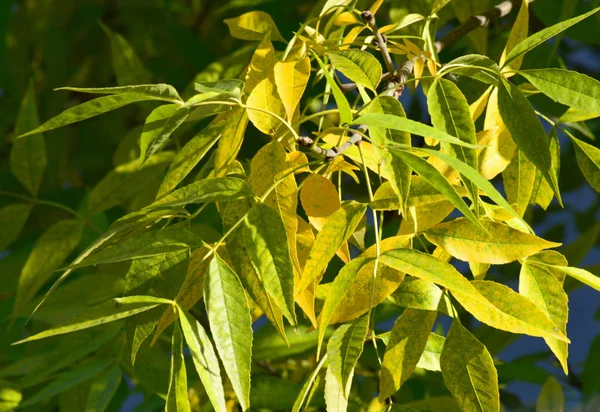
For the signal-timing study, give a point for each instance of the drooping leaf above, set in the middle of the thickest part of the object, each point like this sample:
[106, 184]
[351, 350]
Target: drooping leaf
[588, 159]
[308, 386]
[469, 372]
[159, 92]
[551, 398]
[103, 389]
[545, 290]
[545, 34]
[126, 181]
[518, 33]
[12, 219]
[28, 155]
[217, 90]
[253, 25]
[527, 131]
[345, 347]
[205, 360]
[403, 124]
[339, 227]
[113, 310]
[127, 66]
[267, 247]
[359, 66]
[340, 98]
[50, 251]
[581, 275]
[291, 78]
[230, 324]
[417, 294]
[219, 189]
[262, 103]
[430, 358]
[501, 244]
[234, 126]
[407, 341]
[88, 110]
[159, 126]
[177, 397]
[450, 113]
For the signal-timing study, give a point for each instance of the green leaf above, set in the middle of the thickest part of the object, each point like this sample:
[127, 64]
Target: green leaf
[567, 87]
[160, 276]
[359, 66]
[469, 372]
[546, 291]
[113, 310]
[291, 78]
[230, 324]
[527, 131]
[253, 25]
[450, 113]
[220, 189]
[103, 388]
[28, 155]
[88, 110]
[490, 303]
[159, 92]
[12, 220]
[127, 66]
[69, 379]
[159, 126]
[125, 181]
[545, 34]
[475, 66]
[498, 244]
[399, 172]
[9, 398]
[404, 349]
[345, 347]
[50, 251]
[588, 159]
[433, 176]
[217, 90]
[417, 293]
[267, 246]
[340, 99]
[430, 358]
[146, 244]
[337, 229]
[177, 397]
[336, 293]
[205, 360]
[551, 398]
[518, 179]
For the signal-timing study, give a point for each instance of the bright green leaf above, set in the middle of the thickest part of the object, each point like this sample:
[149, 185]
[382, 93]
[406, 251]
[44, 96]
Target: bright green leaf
[218, 90]
[430, 358]
[359, 66]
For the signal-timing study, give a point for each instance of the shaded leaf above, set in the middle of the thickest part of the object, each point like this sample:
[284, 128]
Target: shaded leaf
[102, 390]
[12, 220]
[159, 126]
[219, 189]
[127, 66]
[551, 398]
[159, 92]
[177, 397]
[588, 159]
[234, 126]
[230, 324]
[469, 372]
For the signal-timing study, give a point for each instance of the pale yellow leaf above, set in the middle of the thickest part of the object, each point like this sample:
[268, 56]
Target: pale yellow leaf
[291, 78]
[518, 33]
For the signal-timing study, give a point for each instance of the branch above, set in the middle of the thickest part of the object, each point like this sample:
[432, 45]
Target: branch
[335, 151]
[369, 18]
[476, 22]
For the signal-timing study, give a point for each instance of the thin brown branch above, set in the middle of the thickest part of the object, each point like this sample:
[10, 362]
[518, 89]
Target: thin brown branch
[476, 22]
[330, 154]
[369, 18]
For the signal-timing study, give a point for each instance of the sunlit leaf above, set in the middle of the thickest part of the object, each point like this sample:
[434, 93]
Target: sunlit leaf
[407, 341]
[230, 324]
[333, 4]
[518, 179]
[50, 251]
[263, 101]
[28, 155]
[233, 126]
[336, 395]
[217, 90]
[345, 347]
[358, 66]
[469, 372]
[430, 358]
[417, 294]
[291, 78]
[253, 25]
[177, 397]
[588, 159]
[501, 244]
[518, 33]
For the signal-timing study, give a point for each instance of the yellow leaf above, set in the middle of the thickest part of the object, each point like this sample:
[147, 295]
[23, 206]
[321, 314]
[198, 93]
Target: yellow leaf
[262, 104]
[502, 244]
[476, 108]
[542, 287]
[375, 6]
[519, 179]
[407, 342]
[418, 69]
[413, 48]
[291, 78]
[253, 25]
[231, 139]
[551, 397]
[340, 165]
[518, 33]
[495, 158]
[319, 199]
[261, 64]
[345, 18]
[351, 36]
[298, 161]
[431, 67]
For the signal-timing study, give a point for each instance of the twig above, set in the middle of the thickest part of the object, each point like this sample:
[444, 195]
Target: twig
[475, 22]
[335, 151]
[369, 18]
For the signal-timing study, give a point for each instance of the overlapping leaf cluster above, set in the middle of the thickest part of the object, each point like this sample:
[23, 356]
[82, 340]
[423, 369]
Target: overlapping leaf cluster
[293, 248]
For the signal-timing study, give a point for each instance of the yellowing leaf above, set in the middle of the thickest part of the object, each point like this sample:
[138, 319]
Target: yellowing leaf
[417, 294]
[261, 64]
[291, 78]
[551, 398]
[319, 199]
[469, 372]
[519, 179]
[336, 395]
[502, 244]
[430, 358]
[518, 33]
[263, 102]
[404, 349]
[345, 347]
[543, 288]
[359, 66]
[333, 4]
[339, 227]
[253, 25]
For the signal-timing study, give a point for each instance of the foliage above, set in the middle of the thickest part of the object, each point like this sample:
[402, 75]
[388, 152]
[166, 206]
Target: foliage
[245, 244]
